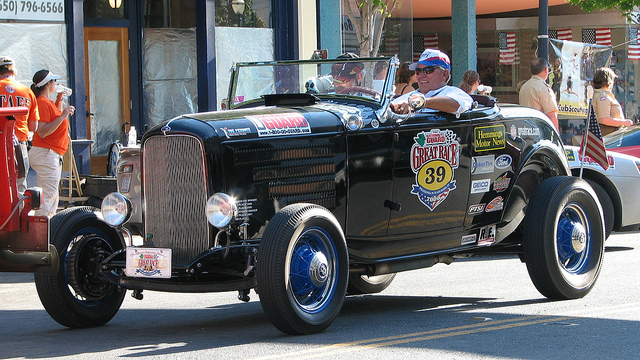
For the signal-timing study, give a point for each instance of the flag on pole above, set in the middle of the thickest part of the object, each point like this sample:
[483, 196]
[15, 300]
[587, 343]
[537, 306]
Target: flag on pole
[592, 144]
[634, 46]
[507, 46]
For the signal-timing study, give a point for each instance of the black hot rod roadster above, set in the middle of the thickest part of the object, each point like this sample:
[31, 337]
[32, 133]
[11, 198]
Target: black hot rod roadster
[307, 191]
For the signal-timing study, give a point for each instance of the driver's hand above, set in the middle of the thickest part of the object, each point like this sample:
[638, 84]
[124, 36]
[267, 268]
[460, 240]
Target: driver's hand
[400, 108]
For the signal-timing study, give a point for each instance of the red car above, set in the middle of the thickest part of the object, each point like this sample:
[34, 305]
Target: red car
[624, 141]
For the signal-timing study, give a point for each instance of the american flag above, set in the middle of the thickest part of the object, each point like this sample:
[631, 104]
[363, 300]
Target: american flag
[507, 45]
[597, 36]
[431, 41]
[592, 145]
[561, 34]
[392, 44]
[634, 46]
[419, 44]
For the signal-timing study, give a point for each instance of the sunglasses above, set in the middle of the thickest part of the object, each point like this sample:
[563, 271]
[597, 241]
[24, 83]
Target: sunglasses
[427, 70]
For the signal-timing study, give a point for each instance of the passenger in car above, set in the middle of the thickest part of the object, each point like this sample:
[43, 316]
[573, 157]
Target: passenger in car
[434, 72]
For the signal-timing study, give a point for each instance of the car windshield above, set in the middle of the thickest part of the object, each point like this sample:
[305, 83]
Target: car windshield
[364, 78]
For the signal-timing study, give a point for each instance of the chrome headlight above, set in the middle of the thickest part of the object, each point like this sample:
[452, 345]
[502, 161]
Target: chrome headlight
[221, 210]
[116, 209]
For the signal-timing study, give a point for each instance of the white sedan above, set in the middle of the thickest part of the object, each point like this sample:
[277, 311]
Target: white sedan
[617, 187]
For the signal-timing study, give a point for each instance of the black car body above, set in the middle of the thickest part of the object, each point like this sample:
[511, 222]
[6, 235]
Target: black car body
[315, 194]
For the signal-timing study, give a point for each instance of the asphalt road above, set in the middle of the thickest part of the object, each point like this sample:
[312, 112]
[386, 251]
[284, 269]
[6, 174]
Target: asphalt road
[477, 308]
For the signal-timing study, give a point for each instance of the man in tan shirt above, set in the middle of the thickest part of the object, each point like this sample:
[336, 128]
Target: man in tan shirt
[537, 94]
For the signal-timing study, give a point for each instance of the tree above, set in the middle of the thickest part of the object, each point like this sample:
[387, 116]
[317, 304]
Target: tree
[364, 22]
[624, 6]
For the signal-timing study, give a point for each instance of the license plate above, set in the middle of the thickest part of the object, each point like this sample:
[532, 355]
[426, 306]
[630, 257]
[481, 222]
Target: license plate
[126, 183]
[148, 262]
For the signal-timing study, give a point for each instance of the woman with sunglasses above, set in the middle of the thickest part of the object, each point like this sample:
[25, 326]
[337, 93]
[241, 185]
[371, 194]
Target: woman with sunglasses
[50, 141]
[434, 72]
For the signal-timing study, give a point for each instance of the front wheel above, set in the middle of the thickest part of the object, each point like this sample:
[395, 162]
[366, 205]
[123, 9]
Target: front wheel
[564, 238]
[77, 296]
[302, 269]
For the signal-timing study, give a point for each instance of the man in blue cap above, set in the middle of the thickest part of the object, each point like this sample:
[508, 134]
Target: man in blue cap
[434, 72]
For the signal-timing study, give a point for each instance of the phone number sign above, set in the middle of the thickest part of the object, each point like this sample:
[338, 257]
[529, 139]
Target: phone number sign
[32, 10]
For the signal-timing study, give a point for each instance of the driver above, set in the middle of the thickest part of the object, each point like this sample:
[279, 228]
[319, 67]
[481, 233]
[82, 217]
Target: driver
[434, 72]
[347, 75]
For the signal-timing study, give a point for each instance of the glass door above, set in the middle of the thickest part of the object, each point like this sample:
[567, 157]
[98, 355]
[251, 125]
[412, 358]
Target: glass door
[108, 97]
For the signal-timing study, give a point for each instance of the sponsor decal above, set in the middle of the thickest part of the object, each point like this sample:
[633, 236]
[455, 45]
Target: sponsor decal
[489, 138]
[503, 161]
[482, 164]
[476, 209]
[468, 239]
[10, 89]
[590, 162]
[434, 157]
[570, 155]
[487, 235]
[480, 186]
[513, 131]
[502, 183]
[495, 205]
[280, 124]
[235, 132]
[375, 123]
[528, 131]
[238, 99]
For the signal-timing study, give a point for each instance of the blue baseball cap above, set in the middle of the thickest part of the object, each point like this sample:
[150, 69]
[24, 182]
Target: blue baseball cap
[432, 57]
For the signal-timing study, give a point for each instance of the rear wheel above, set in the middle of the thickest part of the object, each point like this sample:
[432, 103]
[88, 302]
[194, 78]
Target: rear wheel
[77, 296]
[563, 238]
[302, 269]
[363, 284]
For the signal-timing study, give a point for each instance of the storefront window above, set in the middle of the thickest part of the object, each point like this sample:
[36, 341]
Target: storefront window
[243, 13]
[243, 34]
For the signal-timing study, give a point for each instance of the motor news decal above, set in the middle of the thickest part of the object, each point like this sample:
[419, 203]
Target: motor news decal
[572, 67]
[434, 157]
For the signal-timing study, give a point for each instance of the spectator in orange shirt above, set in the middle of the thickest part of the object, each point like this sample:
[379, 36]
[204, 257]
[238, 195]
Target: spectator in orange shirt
[50, 141]
[14, 93]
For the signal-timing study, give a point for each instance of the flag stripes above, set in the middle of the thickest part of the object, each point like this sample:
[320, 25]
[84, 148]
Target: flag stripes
[592, 145]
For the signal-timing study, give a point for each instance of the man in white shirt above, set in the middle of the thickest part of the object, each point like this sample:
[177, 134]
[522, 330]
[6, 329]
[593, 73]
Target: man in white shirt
[434, 71]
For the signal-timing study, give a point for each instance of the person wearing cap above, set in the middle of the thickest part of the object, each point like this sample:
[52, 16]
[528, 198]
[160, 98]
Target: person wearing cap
[434, 71]
[50, 141]
[536, 93]
[347, 75]
[607, 108]
[14, 93]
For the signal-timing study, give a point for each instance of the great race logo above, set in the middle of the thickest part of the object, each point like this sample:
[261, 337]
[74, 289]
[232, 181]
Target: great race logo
[434, 156]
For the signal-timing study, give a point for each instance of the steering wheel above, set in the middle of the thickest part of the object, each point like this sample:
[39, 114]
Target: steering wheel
[359, 89]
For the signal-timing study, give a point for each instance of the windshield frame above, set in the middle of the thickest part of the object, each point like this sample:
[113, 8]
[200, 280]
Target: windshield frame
[240, 71]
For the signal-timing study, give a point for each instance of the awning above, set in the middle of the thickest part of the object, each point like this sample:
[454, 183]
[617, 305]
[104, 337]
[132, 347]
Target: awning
[441, 9]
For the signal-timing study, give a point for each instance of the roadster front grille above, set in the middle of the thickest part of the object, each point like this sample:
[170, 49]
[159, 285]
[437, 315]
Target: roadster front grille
[175, 196]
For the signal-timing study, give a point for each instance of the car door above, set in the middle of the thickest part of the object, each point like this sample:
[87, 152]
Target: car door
[431, 177]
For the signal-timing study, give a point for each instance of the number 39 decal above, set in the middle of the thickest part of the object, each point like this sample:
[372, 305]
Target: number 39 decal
[435, 174]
